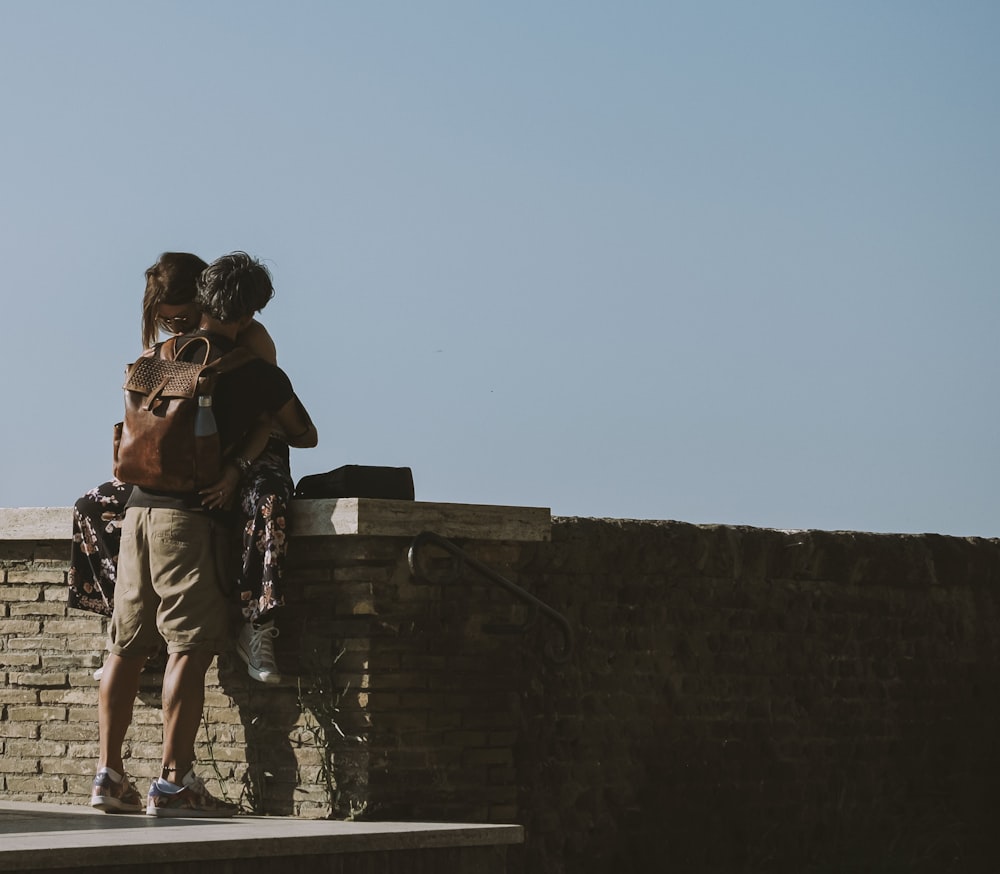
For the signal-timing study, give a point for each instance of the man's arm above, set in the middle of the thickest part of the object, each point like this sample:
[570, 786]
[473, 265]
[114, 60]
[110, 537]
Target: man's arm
[299, 430]
[255, 441]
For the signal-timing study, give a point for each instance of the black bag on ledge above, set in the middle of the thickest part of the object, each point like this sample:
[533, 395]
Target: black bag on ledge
[358, 481]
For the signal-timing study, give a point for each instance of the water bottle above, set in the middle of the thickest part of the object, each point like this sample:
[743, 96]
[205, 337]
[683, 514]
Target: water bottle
[204, 419]
[208, 453]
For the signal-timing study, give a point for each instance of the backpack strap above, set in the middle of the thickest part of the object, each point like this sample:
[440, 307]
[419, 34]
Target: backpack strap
[223, 364]
[153, 398]
[173, 351]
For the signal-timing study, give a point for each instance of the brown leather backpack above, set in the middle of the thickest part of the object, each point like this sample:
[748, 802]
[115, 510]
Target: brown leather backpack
[155, 446]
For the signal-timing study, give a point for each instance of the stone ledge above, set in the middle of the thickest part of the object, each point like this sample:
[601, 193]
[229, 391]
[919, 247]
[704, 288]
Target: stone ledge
[364, 517]
[36, 523]
[380, 518]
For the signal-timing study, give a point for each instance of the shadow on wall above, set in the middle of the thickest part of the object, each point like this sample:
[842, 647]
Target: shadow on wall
[305, 752]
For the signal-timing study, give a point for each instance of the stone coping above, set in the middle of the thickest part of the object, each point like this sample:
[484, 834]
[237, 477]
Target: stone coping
[40, 836]
[364, 517]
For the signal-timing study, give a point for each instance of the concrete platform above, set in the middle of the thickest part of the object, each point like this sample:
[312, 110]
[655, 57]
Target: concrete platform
[56, 837]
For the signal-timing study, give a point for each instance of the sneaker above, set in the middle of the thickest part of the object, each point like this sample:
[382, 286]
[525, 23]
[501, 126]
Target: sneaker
[190, 800]
[256, 647]
[115, 793]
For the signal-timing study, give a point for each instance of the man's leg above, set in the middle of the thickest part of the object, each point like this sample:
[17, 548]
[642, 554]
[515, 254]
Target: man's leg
[116, 698]
[183, 702]
[133, 635]
[194, 621]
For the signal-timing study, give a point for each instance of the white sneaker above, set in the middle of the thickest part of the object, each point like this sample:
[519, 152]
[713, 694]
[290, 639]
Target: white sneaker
[191, 799]
[256, 647]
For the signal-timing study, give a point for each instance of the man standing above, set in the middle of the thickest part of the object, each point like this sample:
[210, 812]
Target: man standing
[171, 568]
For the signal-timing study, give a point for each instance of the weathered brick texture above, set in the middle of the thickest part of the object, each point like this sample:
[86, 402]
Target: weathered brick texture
[750, 700]
[738, 700]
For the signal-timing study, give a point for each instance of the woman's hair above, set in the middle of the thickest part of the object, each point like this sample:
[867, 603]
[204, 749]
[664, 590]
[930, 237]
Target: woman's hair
[233, 287]
[172, 280]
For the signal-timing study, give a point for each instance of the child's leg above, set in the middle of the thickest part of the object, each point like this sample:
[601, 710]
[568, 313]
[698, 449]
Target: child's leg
[97, 518]
[266, 492]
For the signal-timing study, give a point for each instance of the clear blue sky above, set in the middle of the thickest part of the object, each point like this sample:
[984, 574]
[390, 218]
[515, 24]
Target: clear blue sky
[710, 261]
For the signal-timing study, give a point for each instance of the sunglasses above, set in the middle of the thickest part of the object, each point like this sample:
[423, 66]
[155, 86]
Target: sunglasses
[175, 323]
[180, 321]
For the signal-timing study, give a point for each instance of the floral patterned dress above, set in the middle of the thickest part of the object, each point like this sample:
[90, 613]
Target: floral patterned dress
[264, 495]
[97, 534]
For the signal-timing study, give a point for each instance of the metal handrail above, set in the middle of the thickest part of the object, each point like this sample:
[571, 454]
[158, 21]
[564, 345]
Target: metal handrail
[462, 558]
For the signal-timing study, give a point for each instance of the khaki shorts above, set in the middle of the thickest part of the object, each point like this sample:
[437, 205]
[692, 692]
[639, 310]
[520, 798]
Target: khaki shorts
[171, 572]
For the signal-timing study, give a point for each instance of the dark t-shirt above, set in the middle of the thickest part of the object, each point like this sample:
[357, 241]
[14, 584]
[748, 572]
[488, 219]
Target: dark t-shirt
[239, 399]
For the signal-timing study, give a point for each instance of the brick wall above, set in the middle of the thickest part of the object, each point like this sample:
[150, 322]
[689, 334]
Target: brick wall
[738, 700]
[751, 700]
[396, 703]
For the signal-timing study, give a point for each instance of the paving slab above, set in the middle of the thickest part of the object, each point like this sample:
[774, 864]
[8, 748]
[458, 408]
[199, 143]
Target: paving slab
[36, 837]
